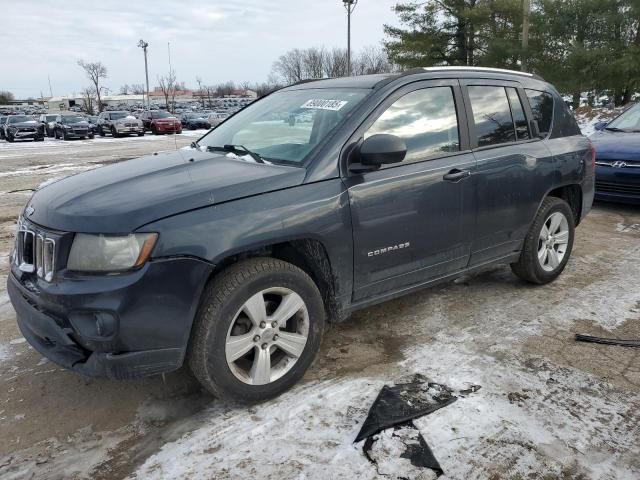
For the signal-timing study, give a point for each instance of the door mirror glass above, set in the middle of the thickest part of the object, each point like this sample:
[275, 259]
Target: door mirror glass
[600, 125]
[381, 149]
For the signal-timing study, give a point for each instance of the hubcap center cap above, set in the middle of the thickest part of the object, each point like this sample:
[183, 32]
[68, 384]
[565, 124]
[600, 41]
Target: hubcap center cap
[268, 334]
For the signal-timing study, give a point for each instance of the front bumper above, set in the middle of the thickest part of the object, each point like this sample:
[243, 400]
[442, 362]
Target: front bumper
[167, 128]
[121, 326]
[618, 184]
[23, 135]
[122, 129]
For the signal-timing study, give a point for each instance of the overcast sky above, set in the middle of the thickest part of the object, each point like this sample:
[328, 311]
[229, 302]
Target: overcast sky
[214, 39]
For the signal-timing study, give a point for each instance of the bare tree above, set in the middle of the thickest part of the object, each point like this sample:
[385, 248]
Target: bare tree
[168, 85]
[200, 91]
[335, 64]
[137, 89]
[95, 71]
[88, 97]
[290, 66]
[125, 89]
[370, 60]
[313, 60]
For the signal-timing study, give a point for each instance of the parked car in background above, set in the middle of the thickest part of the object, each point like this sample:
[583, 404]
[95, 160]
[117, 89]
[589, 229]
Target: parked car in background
[193, 121]
[93, 123]
[234, 260]
[159, 121]
[216, 118]
[3, 120]
[617, 145]
[119, 123]
[23, 127]
[70, 126]
[49, 123]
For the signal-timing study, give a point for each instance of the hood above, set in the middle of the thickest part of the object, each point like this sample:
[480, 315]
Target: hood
[166, 120]
[127, 120]
[121, 197]
[30, 123]
[616, 145]
[83, 123]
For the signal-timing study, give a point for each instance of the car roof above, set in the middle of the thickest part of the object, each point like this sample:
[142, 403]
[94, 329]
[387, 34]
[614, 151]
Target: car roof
[422, 73]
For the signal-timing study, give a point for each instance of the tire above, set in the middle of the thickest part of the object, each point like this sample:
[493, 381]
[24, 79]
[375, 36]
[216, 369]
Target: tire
[114, 132]
[141, 134]
[49, 133]
[10, 138]
[222, 310]
[39, 139]
[101, 131]
[154, 130]
[64, 135]
[542, 261]
[91, 136]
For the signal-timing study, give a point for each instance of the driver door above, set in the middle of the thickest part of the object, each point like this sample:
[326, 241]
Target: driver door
[412, 220]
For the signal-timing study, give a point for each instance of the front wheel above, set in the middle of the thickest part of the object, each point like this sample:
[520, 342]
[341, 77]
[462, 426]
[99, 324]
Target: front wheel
[257, 330]
[114, 132]
[548, 244]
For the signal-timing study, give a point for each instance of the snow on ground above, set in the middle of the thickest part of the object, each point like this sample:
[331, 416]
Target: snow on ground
[522, 417]
[588, 117]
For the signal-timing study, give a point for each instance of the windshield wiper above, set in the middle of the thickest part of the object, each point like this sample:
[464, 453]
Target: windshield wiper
[235, 149]
[614, 129]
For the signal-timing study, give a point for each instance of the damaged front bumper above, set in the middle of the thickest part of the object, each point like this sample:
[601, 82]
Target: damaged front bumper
[121, 326]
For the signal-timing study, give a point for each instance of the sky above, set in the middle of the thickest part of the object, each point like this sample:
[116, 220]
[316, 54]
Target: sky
[216, 40]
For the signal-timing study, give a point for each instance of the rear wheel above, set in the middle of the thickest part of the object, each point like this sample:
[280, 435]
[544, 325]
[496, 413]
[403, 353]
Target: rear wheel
[548, 244]
[257, 330]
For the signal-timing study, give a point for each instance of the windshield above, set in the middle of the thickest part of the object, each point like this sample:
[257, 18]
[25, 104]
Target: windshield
[629, 120]
[160, 115]
[19, 118]
[117, 116]
[51, 118]
[286, 125]
[70, 119]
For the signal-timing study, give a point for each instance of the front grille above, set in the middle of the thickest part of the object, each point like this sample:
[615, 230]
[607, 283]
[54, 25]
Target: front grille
[35, 251]
[80, 130]
[619, 163]
[130, 124]
[26, 130]
[618, 188]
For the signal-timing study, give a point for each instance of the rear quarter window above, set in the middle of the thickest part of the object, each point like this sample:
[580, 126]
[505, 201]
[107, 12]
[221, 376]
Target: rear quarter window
[564, 123]
[542, 108]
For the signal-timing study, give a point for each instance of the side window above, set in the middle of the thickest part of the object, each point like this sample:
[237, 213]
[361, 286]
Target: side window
[519, 119]
[425, 119]
[492, 115]
[542, 108]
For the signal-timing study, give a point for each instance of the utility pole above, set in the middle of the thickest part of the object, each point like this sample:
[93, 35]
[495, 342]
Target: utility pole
[526, 11]
[143, 45]
[350, 6]
[50, 90]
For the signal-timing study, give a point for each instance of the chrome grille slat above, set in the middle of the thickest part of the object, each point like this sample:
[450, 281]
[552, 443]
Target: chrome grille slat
[34, 251]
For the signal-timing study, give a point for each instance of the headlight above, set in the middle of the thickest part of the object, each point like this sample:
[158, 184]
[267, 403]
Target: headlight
[107, 253]
[68, 127]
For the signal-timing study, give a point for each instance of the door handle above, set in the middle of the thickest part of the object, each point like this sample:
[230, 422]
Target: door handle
[456, 175]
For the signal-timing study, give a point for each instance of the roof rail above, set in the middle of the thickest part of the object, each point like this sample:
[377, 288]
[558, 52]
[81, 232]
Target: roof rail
[479, 69]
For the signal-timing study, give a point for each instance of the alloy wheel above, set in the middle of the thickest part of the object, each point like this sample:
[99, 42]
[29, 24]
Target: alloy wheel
[267, 336]
[553, 241]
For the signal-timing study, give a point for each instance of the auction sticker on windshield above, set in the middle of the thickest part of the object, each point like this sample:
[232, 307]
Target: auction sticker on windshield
[321, 104]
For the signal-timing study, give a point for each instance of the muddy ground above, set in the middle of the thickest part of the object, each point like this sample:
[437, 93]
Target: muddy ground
[548, 407]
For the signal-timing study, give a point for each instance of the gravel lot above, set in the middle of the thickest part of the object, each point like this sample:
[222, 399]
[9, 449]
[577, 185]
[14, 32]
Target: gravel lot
[548, 407]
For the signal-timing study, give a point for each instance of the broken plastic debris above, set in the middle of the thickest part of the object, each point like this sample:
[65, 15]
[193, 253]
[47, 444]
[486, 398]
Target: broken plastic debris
[399, 404]
[388, 448]
[607, 341]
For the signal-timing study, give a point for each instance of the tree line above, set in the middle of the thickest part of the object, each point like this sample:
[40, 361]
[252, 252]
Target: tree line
[578, 45]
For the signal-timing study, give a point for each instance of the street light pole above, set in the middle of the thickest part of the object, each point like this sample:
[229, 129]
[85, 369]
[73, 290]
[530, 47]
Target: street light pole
[143, 45]
[350, 6]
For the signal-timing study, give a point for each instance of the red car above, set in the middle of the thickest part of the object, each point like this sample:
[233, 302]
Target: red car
[159, 121]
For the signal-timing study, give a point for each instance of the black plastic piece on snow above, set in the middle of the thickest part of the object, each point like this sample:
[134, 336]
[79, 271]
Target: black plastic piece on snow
[607, 341]
[399, 404]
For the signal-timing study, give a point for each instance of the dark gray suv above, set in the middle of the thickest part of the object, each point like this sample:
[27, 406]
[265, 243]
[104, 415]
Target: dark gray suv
[315, 201]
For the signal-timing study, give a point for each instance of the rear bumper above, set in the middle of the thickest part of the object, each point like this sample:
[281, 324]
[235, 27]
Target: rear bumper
[145, 318]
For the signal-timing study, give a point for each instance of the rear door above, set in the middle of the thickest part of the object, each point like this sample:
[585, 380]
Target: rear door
[513, 169]
[411, 219]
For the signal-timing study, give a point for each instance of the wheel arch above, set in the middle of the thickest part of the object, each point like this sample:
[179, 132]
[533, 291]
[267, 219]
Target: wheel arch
[572, 194]
[309, 254]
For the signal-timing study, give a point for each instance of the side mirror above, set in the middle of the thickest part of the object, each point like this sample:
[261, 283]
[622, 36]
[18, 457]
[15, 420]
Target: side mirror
[600, 126]
[380, 149]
